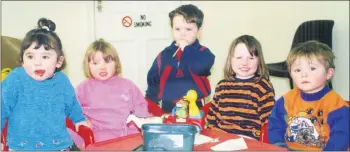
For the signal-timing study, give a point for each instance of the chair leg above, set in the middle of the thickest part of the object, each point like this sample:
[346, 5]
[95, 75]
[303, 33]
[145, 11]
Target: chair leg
[330, 85]
[291, 83]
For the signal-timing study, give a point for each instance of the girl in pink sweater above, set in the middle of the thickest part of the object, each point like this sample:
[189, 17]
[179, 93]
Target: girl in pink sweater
[106, 98]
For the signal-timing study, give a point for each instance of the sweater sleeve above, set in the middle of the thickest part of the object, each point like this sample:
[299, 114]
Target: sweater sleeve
[266, 104]
[9, 96]
[139, 102]
[199, 60]
[338, 121]
[73, 109]
[213, 112]
[277, 124]
[153, 80]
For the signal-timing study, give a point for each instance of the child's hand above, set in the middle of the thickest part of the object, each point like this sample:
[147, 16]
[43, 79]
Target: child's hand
[86, 123]
[182, 44]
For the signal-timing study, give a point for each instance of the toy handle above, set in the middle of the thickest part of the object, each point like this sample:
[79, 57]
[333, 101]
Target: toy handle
[173, 112]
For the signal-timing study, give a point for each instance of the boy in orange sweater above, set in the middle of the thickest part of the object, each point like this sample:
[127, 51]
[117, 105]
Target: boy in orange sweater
[311, 116]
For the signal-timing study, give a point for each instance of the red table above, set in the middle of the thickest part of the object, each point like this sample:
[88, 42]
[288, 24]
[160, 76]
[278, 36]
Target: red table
[132, 141]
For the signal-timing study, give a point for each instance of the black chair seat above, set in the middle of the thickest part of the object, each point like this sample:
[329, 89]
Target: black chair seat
[278, 69]
[320, 30]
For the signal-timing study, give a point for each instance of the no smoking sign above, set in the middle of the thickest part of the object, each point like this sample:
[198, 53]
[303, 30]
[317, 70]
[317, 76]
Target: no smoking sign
[127, 21]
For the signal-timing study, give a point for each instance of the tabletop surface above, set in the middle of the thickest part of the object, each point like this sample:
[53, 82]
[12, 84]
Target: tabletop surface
[131, 142]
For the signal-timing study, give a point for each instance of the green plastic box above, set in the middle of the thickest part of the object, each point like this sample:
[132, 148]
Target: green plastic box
[165, 137]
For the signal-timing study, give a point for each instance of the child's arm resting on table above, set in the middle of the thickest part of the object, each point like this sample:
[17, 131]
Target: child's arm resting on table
[153, 80]
[338, 121]
[9, 95]
[277, 124]
[73, 109]
[140, 105]
[265, 105]
[214, 109]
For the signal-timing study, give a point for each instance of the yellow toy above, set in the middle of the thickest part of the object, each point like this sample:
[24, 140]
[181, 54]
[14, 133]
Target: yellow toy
[5, 72]
[179, 113]
[191, 97]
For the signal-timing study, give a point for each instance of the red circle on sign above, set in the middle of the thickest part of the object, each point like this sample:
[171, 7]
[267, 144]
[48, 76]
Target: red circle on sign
[127, 21]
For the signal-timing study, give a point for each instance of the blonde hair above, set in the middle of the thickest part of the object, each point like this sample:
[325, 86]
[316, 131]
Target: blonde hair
[254, 48]
[311, 49]
[108, 51]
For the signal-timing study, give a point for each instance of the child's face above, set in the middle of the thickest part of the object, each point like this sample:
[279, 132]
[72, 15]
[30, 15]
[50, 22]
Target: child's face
[182, 30]
[40, 64]
[100, 69]
[310, 75]
[243, 64]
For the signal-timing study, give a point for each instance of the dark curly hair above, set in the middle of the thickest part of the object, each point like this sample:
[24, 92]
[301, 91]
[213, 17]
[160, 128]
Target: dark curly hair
[43, 35]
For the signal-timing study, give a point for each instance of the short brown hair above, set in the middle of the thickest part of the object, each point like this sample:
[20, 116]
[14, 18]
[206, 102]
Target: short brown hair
[311, 49]
[191, 13]
[254, 48]
[108, 51]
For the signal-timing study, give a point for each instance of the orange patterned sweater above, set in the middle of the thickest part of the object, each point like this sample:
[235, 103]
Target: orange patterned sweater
[241, 106]
[318, 121]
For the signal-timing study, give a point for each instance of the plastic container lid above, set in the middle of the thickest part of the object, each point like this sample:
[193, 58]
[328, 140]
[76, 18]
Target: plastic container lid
[168, 137]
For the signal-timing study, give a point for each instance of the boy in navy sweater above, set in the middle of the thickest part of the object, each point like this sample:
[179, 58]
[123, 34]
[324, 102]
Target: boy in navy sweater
[183, 65]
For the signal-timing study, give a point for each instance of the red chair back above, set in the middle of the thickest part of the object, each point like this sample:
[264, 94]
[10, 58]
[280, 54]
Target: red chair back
[85, 132]
[153, 108]
[263, 134]
[206, 108]
[3, 137]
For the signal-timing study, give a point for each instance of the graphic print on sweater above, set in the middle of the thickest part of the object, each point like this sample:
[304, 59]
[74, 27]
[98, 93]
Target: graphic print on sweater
[306, 128]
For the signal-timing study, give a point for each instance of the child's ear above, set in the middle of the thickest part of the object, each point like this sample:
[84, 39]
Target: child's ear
[59, 61]
[330, 73]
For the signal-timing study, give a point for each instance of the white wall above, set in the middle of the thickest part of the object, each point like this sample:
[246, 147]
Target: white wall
[74, 26]
[272, 23]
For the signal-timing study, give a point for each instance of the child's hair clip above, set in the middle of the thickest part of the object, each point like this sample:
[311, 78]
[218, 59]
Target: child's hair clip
[46, 28]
